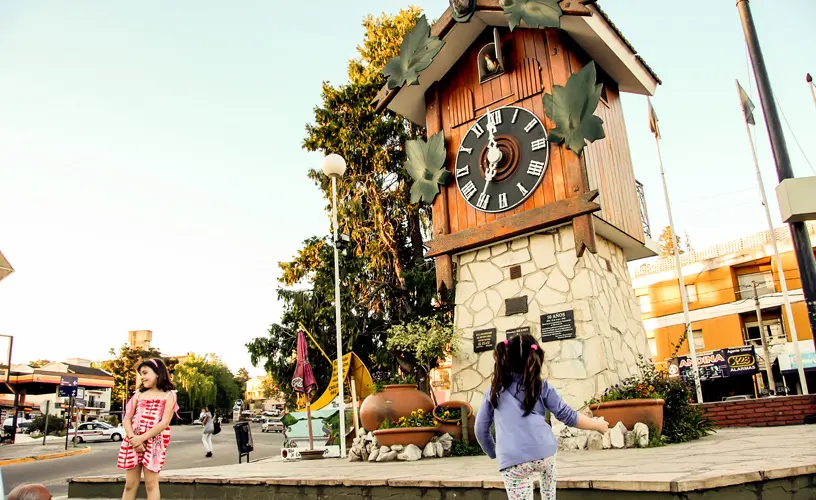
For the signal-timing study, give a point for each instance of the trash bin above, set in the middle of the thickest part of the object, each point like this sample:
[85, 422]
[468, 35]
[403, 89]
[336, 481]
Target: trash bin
[243, 439]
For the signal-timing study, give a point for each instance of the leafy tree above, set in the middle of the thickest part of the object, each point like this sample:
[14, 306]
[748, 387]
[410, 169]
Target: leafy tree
[38, 363]
[241, 379]
[667, 246]
[421, 344]
[123, 369]
[385, 279]
[196, 389]
[206, 380]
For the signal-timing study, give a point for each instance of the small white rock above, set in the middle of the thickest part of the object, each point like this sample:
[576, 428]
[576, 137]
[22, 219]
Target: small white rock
[606, 440]
[374, 454]
[384, 450]
[618, 435]
[581, 440]
[630, 439]
[354, 457]
[429, 451]
[411, 453]
[440, 450]
[594, 441]
[641, 432]
[398, 448]
[387, 457]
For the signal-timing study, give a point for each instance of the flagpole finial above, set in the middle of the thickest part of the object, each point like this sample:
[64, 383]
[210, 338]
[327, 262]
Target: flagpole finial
[809, 78]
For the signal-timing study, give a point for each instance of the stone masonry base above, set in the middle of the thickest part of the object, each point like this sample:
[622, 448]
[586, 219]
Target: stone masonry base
[597, 287]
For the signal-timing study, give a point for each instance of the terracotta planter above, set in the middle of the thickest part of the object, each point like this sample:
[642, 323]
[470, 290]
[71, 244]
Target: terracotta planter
[632, 411]
[454, 427]
[417, 436]
[393, 402]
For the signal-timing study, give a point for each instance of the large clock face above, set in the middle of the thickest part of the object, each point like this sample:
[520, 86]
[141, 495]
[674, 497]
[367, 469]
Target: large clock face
[499, 173]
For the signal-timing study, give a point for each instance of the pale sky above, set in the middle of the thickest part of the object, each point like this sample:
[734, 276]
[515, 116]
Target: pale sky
[152, 176]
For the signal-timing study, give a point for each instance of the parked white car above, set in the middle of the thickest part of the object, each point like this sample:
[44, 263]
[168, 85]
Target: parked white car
[97, 431]
[272, 424]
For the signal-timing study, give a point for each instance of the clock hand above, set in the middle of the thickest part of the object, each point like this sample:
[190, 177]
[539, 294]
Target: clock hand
[493, 153]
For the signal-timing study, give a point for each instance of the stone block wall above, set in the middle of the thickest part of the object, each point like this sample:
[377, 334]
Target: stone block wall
[786, 410]
[609, 330]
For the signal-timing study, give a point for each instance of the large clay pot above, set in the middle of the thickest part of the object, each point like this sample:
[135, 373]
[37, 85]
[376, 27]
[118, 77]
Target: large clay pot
[393, 402]
[632, 411]
[454, 427]
[417, 436]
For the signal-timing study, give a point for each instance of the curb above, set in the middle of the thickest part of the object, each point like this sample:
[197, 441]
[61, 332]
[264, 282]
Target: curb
[14, 461]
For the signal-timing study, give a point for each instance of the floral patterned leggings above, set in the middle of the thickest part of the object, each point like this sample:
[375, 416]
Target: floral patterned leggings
[518, 479]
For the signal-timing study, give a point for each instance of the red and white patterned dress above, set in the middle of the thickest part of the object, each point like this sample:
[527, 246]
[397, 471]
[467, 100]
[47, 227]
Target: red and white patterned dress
[146, 414]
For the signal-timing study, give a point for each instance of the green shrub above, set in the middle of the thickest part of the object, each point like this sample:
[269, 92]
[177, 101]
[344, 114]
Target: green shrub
[463, 449]
[55, 424]
[112, 420]
[682, 420]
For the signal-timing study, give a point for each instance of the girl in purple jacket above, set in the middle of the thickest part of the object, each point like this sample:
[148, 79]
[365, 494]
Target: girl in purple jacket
[516, 403]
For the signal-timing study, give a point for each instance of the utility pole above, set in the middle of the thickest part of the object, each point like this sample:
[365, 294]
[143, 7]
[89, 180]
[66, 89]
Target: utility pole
[765, 351]
[799, 234]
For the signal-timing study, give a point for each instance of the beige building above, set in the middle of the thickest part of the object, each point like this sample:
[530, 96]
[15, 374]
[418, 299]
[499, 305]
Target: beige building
[254, 396]
[140, 339]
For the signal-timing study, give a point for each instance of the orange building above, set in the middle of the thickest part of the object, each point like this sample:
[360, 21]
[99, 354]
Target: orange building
[720, 281]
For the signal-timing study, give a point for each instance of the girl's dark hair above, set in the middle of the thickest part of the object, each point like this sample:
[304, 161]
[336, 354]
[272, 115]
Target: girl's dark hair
[163, 382]
[519, 356]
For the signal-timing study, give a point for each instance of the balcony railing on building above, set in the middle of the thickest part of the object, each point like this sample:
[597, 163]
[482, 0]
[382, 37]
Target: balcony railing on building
[644, 212]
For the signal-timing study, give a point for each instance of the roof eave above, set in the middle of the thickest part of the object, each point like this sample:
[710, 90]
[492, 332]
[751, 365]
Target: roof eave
[596, 34]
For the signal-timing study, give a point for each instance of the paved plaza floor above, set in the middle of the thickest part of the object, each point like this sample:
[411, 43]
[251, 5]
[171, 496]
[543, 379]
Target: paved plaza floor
[729, 457]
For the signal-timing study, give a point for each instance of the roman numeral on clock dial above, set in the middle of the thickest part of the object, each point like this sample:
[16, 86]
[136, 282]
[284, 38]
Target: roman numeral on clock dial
[530, 126]
[521, 188]
[484, 199]
[462, 172]
[503, 200]
[496, 117]
[478, 130]
[539, 144]
[463, 149]
[469, 190]
[536, 168]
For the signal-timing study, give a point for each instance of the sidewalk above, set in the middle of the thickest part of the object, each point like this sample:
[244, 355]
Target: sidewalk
[731, 457]
[19, 453]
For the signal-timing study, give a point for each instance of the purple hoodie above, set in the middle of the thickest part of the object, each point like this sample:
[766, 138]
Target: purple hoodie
[521, 439]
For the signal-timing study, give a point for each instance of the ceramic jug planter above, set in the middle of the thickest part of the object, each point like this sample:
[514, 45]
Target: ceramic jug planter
[393, 402]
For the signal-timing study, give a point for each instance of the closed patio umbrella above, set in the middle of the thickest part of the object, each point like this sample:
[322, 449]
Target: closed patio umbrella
[304, 380]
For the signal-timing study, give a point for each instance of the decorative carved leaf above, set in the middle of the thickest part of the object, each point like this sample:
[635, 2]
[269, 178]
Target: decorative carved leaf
[534, 13]
[416, 53]
[572, 107]
[426, 165]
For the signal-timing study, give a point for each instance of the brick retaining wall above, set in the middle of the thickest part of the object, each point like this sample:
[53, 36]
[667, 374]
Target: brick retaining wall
[786, 410]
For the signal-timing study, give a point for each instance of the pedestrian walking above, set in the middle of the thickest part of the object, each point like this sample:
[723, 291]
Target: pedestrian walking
[147, 424]
[516, 403]
[209, 428]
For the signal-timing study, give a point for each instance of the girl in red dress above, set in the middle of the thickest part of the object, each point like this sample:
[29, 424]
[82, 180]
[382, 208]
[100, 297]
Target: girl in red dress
[146, 422]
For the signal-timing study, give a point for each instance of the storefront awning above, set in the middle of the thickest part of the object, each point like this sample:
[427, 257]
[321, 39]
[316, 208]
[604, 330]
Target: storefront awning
[787, 357]
[717, 364]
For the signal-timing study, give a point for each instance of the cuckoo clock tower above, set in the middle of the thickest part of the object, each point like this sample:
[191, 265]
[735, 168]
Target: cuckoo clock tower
[527, 164]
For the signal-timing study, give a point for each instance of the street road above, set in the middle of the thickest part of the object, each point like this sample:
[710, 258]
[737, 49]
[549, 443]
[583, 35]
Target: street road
[185, 451]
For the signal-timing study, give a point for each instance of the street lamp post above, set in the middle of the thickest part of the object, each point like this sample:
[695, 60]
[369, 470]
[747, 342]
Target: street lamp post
[335, 166]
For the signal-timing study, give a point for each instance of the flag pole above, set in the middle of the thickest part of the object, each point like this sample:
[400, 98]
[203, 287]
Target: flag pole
[812, 88]
[747, 110]
[683, 292]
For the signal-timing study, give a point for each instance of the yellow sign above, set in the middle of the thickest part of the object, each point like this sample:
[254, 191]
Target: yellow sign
[353, 369]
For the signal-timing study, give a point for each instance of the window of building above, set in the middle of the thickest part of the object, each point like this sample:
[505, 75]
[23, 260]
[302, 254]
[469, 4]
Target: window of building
[645, 303]
[764, 281]
[774, 332]
[691, 293]
[699, 341]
